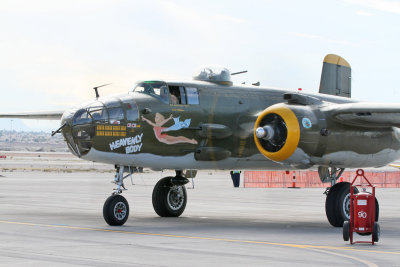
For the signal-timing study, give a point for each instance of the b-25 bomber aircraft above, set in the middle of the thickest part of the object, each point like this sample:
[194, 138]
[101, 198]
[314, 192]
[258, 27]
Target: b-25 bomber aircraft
[209, 123]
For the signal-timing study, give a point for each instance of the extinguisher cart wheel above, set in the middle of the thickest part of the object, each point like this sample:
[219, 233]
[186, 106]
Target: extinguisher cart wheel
[346, 231]
[376, 232]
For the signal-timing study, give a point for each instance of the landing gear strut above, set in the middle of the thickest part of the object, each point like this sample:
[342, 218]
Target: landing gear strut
[169, 196]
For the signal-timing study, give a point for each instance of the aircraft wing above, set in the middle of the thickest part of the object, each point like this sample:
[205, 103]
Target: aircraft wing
[365, 114]
[40, 115]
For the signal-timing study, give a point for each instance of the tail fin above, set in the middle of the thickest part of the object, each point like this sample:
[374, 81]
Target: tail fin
[336, 76]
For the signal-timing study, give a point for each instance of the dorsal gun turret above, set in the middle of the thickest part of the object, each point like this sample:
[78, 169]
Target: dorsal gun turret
[214, 74]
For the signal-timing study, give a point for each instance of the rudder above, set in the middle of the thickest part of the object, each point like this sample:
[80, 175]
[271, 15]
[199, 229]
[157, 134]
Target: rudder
[336, 76]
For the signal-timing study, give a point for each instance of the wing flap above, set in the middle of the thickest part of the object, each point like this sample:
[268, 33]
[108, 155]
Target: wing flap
[365, 114]
[40, 115]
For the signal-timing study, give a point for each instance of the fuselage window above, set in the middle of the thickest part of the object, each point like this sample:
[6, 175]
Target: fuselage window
[192, 96]
[132, 111]
[156, 89]
[177, 95]
[183, 95]
[116, 114]
[115, 111]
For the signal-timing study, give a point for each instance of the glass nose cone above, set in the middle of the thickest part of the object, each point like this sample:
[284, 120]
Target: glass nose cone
[79, 131]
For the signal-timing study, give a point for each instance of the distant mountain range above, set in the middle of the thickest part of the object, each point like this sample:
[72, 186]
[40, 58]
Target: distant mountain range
[28, 125]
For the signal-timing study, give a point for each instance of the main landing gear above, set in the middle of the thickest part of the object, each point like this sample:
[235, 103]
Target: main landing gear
[169, 197]
[337, 204]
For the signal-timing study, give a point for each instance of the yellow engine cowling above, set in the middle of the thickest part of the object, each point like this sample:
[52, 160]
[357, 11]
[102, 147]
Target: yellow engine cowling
[278, 129]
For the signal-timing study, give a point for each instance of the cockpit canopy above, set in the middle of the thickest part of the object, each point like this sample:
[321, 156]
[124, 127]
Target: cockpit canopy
[157, 89]
[111, 110]
[216, 74]
[168, 93]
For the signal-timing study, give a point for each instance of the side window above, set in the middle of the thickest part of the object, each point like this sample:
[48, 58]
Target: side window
[192, 96]
[177, 95]
[115, 111]
[164, 94]
[132, 111]
[183, 95]
[116, 114]
[174, 95]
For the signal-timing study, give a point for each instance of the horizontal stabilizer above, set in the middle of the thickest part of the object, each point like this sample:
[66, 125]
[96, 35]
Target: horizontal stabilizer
[41, 115]
[365, 114]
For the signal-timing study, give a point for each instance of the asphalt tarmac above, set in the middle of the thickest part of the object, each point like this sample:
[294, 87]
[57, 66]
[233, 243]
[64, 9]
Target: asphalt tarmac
[55, 219]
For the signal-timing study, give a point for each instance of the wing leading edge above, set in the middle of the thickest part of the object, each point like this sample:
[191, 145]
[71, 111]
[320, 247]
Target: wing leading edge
[40, 115]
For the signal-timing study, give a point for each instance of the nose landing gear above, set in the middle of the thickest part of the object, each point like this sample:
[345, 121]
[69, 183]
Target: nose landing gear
[116, 207]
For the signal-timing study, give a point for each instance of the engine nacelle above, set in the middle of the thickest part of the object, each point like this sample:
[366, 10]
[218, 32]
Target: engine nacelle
[283, 131]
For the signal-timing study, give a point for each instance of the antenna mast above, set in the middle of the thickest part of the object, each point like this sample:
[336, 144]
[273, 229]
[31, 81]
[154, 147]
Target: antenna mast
[95, 89]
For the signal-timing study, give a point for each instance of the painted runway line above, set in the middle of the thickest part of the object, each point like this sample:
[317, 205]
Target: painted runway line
[301, 246]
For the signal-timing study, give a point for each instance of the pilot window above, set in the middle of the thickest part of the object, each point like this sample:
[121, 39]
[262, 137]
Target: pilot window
[182, 96]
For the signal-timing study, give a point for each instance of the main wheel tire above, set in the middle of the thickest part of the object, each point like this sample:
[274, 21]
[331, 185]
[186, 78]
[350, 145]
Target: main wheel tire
[337, 205]
[116, 210]
[346, 231]
[376, 232]
[376, 210]
[169, 200]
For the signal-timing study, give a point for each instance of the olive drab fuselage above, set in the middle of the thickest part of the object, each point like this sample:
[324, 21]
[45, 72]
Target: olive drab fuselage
[203, 125]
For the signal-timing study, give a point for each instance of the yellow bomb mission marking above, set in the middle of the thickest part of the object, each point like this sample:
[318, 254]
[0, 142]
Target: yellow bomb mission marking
[131, 144]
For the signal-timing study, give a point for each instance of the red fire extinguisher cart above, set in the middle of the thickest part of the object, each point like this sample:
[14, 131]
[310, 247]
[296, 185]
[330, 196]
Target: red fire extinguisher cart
[362, 212]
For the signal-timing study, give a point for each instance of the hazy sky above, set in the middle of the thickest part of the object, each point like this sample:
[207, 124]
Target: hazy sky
[52, 53]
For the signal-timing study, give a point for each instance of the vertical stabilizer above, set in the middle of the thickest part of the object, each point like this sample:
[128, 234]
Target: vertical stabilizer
[336, 76]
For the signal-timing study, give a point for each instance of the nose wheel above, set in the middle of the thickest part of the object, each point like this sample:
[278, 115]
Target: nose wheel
[116, 207]
[116, 210]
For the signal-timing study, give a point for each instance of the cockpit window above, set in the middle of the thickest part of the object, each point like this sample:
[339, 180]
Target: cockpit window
[114, 109]
[153, 88]
[98, 112]
[82, 117]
